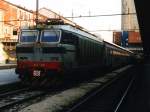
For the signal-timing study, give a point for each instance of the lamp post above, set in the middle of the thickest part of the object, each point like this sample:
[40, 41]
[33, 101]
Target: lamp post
[37, 6]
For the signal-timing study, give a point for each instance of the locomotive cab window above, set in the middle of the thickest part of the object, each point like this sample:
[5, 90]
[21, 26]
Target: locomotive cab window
[50, 36]
[28, 36]
[69, 38]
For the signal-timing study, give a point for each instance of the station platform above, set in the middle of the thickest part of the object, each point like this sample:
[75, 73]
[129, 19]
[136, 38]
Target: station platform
[7, 74]
[138, 98]
[7, 66]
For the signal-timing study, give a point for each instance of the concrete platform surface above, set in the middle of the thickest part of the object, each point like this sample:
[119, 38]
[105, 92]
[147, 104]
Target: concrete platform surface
[8, 76]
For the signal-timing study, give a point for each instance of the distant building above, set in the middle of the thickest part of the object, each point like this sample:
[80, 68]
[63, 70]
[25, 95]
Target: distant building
[130, 26]
[128, 39]
[12, 17]
[117, 37]
[129, 21]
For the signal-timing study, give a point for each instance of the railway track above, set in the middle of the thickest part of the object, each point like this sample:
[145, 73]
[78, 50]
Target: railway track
[9, 99]
[118, 107]
[107, 98]
[13, 99]
[12, 92]
[10, 87]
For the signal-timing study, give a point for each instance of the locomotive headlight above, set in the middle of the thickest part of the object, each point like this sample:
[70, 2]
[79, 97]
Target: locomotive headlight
[54, 58]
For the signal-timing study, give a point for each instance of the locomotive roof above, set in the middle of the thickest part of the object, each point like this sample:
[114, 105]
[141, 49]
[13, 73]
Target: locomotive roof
[76, 30]
[117, 46]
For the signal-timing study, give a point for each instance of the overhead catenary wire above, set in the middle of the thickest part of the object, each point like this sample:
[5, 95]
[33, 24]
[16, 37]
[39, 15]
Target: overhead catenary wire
[88, 16]
[85, 16]
[88, 30]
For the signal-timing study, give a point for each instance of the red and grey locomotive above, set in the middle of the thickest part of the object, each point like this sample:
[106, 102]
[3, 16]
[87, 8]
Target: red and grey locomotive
[47, 53]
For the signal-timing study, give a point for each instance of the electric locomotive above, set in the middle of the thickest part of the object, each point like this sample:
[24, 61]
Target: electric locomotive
[48, 53]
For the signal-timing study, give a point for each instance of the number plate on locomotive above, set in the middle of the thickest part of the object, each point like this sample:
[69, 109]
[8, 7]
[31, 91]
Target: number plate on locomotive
[36, 73]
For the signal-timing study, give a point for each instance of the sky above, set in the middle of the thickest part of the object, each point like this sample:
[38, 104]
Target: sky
[67, 8]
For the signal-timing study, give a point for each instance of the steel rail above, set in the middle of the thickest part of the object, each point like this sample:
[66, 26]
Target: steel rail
[124, 95]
